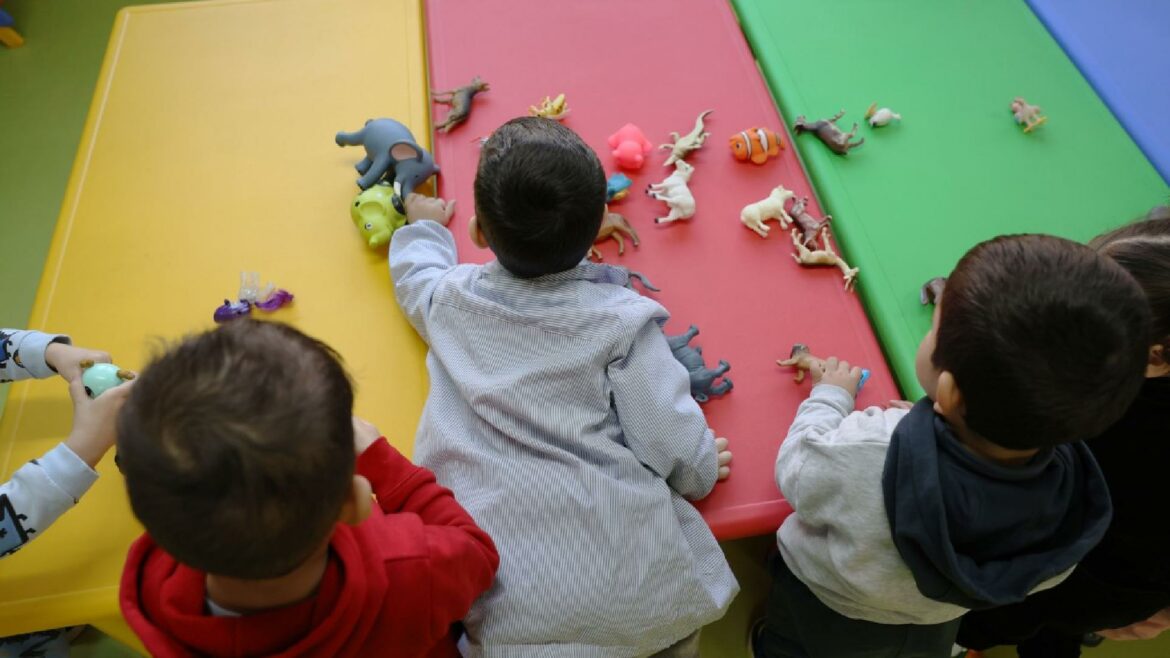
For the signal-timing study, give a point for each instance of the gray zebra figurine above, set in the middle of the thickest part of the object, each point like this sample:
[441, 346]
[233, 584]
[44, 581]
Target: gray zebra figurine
[703, 384]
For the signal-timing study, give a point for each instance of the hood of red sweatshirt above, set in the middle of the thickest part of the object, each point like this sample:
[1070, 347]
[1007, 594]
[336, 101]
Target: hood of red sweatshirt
[165, 603]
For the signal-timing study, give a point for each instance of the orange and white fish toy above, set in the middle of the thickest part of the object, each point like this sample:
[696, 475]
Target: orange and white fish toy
[755, 144]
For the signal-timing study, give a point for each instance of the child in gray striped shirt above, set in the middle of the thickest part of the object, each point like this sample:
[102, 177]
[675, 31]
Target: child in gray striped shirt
[558, 415]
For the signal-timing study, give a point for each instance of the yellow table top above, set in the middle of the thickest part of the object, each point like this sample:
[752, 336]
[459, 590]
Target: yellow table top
[209, 150]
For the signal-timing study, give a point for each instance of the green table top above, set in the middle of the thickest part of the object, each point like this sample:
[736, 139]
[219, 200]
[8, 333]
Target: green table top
[957, 169]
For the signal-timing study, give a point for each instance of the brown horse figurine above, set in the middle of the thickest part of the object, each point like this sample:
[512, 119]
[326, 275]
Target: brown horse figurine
[828, 132]
[460, 101]
[809, 226]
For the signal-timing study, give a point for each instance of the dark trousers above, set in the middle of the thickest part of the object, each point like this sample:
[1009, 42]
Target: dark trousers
[1050, 624]
[798, 625]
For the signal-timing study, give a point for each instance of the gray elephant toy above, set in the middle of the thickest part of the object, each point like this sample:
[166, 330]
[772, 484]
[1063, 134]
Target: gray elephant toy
[703, 384]
[391, 153]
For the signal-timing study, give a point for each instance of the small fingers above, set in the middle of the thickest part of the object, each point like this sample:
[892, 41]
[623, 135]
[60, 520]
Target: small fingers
[724, 458]
[720, 444]
[724, 471]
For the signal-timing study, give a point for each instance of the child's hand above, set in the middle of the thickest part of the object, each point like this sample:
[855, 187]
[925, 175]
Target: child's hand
[432, 208]
[724, 458]
[1142, 630]
[65, 359]
[900, 404]
[364, 435]
[94, 430]
[837, 373]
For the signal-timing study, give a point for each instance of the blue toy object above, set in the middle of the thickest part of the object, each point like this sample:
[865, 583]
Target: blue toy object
[617, 187]
[101, 377]
[393, 154]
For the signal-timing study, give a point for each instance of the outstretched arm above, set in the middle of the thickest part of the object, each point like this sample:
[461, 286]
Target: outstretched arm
[22, 354]
[420, 254]
[662, 423]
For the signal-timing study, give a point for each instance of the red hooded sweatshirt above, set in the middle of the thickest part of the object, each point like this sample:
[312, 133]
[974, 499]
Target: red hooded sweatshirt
[393, 585]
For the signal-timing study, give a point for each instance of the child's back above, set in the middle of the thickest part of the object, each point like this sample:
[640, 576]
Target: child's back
[563, 423]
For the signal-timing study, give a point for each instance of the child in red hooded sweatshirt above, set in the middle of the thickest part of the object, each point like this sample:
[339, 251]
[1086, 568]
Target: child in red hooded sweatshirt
[238, 448]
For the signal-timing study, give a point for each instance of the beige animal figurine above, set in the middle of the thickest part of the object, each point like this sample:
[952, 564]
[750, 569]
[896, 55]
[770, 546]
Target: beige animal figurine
[754, 215]
[551, 108]
[826, 256]
[459, 99]
[1027, 115]
[612, 226]
[801, 359]
[675, 193]
[880, 117]
[681, 147]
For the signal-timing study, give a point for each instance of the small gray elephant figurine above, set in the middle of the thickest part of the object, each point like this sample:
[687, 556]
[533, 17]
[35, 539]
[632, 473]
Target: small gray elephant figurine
[391, 153]
[703, 384]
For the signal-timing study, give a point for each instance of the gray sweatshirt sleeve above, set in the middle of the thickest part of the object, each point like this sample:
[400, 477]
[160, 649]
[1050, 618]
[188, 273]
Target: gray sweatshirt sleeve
[420, 254]
[38, 493]
[22, 354]
[662, 423]
[820, 414]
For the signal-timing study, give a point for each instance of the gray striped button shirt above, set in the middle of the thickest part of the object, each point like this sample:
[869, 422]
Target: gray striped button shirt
[565, 427]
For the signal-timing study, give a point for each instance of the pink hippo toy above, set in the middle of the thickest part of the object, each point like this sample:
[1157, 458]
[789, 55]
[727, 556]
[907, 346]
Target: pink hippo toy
[630, 147]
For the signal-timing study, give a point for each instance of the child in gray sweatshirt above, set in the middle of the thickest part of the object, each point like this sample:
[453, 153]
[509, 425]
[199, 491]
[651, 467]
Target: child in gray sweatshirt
[979, 494]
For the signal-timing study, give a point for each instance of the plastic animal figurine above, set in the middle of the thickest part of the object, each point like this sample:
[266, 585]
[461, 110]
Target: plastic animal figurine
[554, 108]
[932, 290]
[612, 226]
[674, 191]
[826, 256]
[630, 147]
[231, 310]
[459, 99]
[617, 187]
[1027, 115]
[827, 131]
[250, 290]
[755, 145]
[802, 360]
[393, 154]
[277, 299]
[878, 118]
[681, 147]
[809, 226]
[375, 216]
[101, 377]
[754, 215]
[703, 379]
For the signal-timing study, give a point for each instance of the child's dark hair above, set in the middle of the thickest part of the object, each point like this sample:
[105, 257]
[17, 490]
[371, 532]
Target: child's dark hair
[1143, 249]
[539, 196]
[237, 448]
[1044, 337]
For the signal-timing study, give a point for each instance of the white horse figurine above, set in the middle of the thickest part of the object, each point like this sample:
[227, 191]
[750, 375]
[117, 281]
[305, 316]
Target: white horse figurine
[675, 193]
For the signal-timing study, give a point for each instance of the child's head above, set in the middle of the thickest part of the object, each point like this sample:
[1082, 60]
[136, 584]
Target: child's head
[1037, 341]
[539, 197]
[1143, 249]
[237, 449]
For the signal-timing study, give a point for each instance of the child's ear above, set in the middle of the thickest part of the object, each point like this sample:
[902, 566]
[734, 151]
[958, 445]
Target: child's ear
[356, 507]
[476, 234]
[948, 399]
[1157, 356]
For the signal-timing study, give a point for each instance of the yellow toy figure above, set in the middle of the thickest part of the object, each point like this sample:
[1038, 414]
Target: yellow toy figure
[374, 215]
[550, 108]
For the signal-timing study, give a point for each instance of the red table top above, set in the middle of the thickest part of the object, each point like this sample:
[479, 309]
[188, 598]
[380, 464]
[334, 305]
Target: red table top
[657, 64]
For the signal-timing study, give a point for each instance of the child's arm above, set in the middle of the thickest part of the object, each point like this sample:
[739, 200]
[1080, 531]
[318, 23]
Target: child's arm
[45, 488]
[462, 555]
[25, 354]
[829, 402]
[662, 423]
[420, 254]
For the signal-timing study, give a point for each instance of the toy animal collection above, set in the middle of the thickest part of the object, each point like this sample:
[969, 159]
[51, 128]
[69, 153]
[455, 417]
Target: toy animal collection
[459, 99]
[827, 131]
[613, 226]
[551, 108]
[703, 379]
[674, 192]
[681, 147]
[754, 215]
[1026, 115]
[629, 147]
[755, 145]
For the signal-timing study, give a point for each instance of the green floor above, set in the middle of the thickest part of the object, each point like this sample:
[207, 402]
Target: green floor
[45, 91]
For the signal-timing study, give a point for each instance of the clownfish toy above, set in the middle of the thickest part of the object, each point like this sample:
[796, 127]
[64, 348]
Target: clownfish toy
[755, 144]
